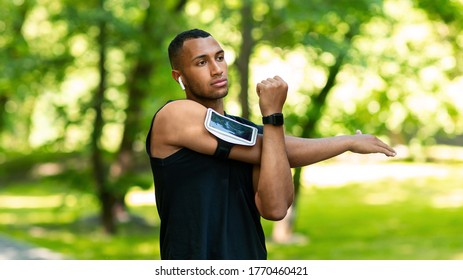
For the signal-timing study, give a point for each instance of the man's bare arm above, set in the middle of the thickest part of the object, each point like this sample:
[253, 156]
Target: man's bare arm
[306, 151]
[274, 190]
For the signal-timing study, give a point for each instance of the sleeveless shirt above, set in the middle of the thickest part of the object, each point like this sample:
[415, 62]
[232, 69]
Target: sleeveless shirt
[206, 206]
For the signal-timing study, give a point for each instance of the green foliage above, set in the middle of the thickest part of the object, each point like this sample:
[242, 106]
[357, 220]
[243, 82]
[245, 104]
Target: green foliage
[56, 47]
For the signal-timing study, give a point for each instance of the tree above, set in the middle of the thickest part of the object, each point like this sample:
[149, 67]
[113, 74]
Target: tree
[246, 48]
[15, 48]
[150, 39]
[28, 70]
[86, 42]
[112, 185]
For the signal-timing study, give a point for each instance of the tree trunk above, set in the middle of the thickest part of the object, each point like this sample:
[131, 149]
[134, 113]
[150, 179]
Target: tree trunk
[99, 168]
[138, 90]
[3, 101]
[242, 61]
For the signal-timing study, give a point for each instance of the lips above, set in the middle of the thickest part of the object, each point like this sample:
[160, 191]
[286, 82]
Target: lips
[219, 83]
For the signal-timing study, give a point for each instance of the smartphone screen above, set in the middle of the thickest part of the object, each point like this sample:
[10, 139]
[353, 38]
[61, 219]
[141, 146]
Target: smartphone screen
[231, 127]
[230, 130]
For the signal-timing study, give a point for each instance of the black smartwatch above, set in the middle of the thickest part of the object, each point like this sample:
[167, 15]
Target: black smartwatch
[275, 119]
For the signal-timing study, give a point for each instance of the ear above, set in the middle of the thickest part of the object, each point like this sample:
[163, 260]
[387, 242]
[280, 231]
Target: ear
[177, 76]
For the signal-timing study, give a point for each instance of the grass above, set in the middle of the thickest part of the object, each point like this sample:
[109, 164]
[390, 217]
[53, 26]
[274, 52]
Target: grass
[410, 218]
[66, 221]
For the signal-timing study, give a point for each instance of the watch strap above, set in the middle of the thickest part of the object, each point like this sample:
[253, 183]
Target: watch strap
[274, 119]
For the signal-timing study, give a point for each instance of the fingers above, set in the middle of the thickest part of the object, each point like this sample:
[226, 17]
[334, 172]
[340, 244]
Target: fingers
[272, 94]
[390, 152]
[275, 81]
[386, 149]
[372, 144]
[275, 78]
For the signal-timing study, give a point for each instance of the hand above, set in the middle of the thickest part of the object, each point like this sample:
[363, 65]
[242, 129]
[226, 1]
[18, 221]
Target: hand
[367, 144]
[272, 94]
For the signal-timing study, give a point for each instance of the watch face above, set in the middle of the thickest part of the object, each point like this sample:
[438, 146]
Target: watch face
[275, 119]
[278, 119]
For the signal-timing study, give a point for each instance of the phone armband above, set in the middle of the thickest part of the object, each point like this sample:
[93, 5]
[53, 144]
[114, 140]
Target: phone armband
[230, 130]
[223, 149]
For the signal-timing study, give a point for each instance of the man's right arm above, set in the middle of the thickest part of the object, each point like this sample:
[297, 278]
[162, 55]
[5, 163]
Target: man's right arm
[181, 124]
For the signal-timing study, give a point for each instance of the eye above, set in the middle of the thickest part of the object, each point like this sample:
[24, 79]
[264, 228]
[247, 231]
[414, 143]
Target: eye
[201, 63]
[220, 58]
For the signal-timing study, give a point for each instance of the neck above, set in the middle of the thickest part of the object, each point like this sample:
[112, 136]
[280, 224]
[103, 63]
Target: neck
[215, 104]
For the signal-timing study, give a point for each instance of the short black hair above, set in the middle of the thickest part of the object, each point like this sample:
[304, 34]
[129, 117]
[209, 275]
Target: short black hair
[177, 43]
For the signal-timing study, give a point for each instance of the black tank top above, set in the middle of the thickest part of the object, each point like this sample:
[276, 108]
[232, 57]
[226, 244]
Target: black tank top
[206, 206]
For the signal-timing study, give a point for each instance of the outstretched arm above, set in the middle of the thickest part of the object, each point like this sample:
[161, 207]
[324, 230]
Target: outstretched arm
[306, 151]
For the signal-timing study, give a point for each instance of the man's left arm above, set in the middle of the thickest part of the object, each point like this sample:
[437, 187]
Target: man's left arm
[305, 151]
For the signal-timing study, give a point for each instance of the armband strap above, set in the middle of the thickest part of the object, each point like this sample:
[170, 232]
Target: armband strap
[223, 149]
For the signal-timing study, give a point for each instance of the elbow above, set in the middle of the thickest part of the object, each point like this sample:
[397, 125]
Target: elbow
[275, 213]
[274, 206]
[274, 218]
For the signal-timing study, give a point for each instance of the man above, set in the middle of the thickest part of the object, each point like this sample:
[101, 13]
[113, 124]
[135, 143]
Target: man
[210, 194]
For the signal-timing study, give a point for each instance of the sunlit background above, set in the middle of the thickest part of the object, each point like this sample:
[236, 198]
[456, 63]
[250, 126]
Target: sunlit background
[81, 80]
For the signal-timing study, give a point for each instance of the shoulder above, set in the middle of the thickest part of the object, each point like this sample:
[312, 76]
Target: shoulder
[180, 116]
[181, 108]
[180, 124]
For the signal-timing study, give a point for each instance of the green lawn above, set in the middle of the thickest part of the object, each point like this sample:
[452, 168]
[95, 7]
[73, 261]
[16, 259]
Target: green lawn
[414, 218]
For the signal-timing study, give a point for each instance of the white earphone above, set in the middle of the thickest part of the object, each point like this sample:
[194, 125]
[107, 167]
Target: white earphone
[181, 83]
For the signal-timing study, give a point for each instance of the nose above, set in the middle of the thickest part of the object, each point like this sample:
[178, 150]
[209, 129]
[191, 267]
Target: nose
[216, 69]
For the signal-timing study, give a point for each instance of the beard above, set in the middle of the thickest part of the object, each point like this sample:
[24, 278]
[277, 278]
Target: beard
[198, 94]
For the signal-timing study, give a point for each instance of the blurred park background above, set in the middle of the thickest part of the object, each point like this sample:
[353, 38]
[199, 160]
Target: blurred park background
[81, 80]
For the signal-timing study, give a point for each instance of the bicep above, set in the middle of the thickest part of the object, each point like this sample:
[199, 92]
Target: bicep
[180, 125]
